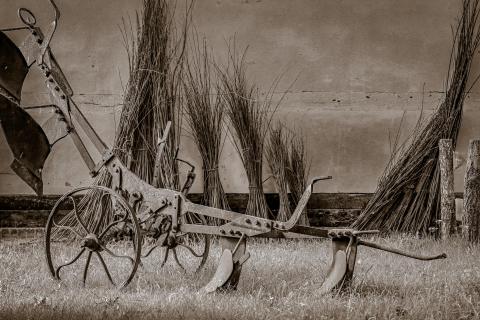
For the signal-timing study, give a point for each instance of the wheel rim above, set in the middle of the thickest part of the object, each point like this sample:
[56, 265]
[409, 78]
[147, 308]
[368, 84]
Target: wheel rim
[87, 247]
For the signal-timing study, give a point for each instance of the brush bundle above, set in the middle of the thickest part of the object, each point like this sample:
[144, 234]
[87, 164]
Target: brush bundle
[277, 155]
[152, 98]
[407, 198]
[153, 95]
[297, 173]
[204, 112]
[248, 122]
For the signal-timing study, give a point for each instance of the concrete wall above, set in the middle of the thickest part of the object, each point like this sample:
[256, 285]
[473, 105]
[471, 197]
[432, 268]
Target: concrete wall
[360, 67]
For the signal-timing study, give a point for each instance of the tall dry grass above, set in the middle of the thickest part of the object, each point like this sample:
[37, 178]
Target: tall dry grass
[280, 281]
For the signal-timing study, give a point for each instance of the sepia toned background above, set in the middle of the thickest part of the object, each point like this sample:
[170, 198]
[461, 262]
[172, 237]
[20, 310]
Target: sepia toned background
[353, 70]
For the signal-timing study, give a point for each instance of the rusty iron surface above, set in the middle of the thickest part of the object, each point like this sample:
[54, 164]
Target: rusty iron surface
[13, 67]
[28, 142]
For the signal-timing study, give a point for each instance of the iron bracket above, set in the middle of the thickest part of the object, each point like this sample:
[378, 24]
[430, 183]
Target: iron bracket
[106, 157]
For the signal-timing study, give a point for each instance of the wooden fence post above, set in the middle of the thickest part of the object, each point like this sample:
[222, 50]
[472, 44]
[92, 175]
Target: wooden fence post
[447, 196]
[471, 200]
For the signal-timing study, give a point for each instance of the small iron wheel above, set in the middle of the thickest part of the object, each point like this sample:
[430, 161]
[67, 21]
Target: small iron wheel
[92, 233]
[189, 251]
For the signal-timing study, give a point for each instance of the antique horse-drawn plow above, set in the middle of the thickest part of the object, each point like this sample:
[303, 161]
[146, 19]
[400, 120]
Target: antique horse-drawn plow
[138, 209]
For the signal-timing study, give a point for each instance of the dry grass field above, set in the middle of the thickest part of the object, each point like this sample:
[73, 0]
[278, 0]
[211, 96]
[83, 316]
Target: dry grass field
[280, 281]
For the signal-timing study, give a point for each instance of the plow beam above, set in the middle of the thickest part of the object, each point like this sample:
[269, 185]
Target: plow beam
[228, 272]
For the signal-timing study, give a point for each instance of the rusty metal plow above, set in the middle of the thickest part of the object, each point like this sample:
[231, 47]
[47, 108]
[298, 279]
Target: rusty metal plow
[139, 209]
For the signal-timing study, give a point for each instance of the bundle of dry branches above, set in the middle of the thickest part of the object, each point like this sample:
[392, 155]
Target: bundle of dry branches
[277, 155]
[407, 198]
[297, 173]
[152, 98]
[204, 111]
[153, 95]
[249, 120]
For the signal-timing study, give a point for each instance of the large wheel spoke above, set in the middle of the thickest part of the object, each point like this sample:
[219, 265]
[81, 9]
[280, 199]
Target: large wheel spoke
[102, 214]
[104, 232]
[87, 264]
[105, 267]
[77, 215]
[57, 271]
[72, 229]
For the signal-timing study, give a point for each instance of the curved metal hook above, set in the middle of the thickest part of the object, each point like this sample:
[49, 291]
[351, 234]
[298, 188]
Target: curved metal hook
[285, 226]
[49, 36]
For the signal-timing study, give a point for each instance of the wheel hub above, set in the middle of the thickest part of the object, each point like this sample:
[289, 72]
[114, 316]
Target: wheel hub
[91, 242]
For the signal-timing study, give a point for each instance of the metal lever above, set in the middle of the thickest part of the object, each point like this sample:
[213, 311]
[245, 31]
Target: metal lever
[302, 203]
[160, 147]
[190, 175]
[400, 252]
[48, 38]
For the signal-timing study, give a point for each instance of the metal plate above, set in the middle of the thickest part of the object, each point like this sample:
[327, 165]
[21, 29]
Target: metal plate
[223, 272]
[28, 142]
[336, 274]
[13, 67]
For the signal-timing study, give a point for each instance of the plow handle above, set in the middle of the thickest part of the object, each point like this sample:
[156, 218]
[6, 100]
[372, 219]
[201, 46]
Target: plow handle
[48, 38]
[302, 203]
[400, 252]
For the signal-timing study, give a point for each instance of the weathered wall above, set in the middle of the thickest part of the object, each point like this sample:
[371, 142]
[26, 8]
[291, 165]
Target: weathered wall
[360, 66]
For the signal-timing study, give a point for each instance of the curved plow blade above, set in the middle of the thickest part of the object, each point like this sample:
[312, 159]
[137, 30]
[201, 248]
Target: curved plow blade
[13, 67]
[227, 275]
[26, 139]
[343, 264]
[223, 272]
[336, 274]
[28, 142]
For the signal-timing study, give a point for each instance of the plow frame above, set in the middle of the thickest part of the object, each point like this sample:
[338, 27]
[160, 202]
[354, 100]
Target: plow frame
[237, 227]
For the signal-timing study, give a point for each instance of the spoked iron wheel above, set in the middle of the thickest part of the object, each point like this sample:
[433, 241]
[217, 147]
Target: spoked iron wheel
[93, 240]
[189, 251]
